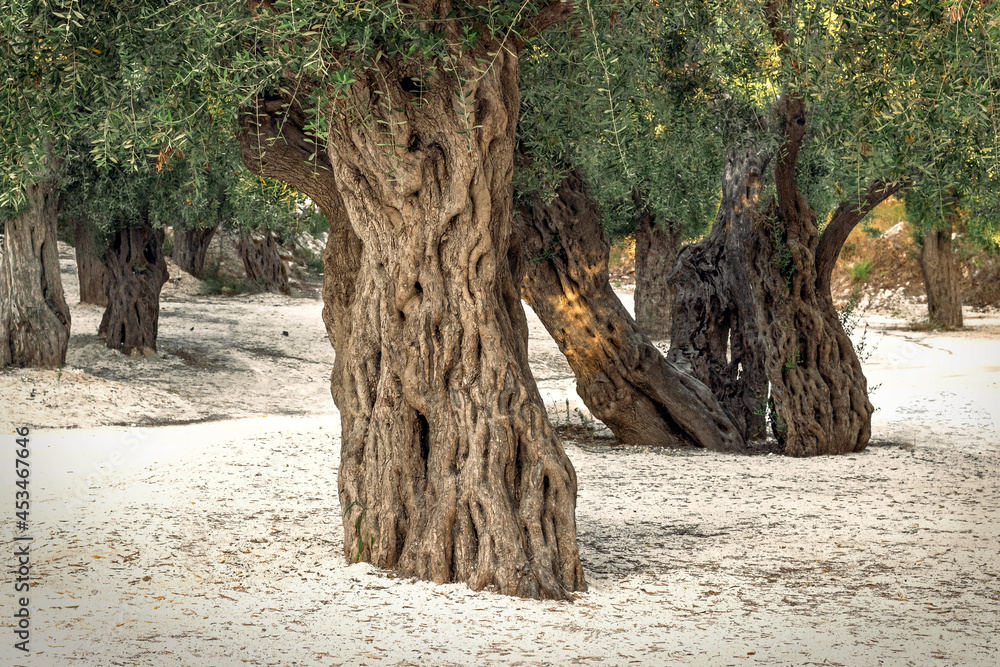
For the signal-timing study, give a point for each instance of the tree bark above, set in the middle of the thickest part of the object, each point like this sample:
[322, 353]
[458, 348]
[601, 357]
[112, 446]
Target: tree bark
[715, 332]
[656, 248]
[262, 262]
[191, 247]
[754, 309]
[621, 377]
[449, 469]
[941, 277]
[34, 317]
[137, 272]
[90, 270]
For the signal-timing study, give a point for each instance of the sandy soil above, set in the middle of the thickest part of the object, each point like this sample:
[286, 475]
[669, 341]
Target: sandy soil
[216, 540]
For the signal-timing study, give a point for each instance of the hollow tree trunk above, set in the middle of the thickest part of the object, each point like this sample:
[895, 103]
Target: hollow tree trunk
[90, 270]
[449, 468]
[191, 247]
[262, 262]
[34, 317]
[941, 277]
[754, 308]
[656, 247]
[136, 274]
[621, 377]
[715, 332]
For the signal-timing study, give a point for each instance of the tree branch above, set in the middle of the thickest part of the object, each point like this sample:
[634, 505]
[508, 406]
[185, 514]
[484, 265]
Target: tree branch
[845, 218]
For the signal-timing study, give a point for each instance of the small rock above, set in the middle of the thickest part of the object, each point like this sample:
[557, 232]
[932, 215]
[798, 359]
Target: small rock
[284, 333]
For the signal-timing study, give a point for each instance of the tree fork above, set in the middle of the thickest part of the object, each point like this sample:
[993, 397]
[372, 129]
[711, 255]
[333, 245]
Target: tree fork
[621, 377]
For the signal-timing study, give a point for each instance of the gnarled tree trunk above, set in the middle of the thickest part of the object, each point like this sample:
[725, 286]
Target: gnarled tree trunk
[941, 278]
[656, 247]
[715, 330]
[136, 274]
[754, 308]
[621, 377]
[449, 469]
[191, 247]
[90, 270]
[262, 262]
[34, 317]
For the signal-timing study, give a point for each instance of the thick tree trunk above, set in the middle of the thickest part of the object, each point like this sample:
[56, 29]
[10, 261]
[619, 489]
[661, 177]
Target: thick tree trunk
[621, 377]
[191, 247]
[90, 268]
[262, 262]
[136, 274]
[754, 309]
[449, 468]
[656, 247]
[941, 277]
[34, 317]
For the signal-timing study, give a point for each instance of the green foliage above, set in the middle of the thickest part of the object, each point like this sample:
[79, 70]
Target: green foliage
[859, 270]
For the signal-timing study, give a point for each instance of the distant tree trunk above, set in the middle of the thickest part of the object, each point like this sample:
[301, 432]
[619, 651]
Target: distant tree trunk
[450, 470]
[656, 247]
[621, 377]
[90, 268]
[941, 277]
[191, 247]
[262, 262]
[34, 317]
[136, 274]
[754, 309]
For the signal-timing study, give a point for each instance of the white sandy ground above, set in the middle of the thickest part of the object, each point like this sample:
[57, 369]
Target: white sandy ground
[219, 543]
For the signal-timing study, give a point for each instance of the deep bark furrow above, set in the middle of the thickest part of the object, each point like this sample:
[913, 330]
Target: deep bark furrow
[34, 317]
[621, 376]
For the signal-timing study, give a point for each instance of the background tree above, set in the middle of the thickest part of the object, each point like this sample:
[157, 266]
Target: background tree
[847, 75]
[71, 73]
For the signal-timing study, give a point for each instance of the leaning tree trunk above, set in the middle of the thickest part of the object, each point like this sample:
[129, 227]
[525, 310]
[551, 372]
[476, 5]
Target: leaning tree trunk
[136, 274]
[90, 269]
[262, 262]
[191, 247]
[656, 247]
[34, 317]
[621, 377]
[754, 309]
[941, 277]
[449, 469]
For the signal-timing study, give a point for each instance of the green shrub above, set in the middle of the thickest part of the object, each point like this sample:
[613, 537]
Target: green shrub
[860, 270]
